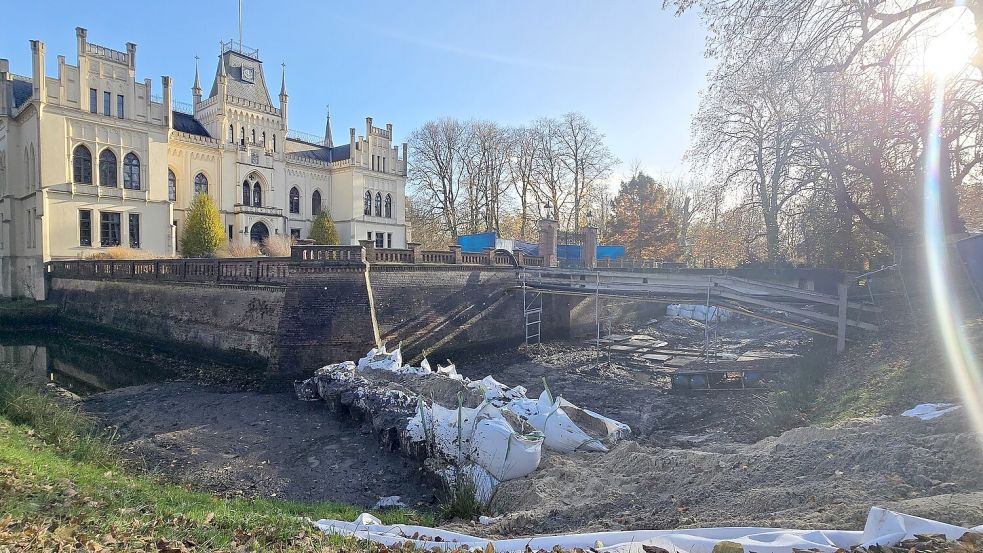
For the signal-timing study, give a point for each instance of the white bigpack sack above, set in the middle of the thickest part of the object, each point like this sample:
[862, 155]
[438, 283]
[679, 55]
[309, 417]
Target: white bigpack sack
[504, 453]
[379, 358]
[481, 435]
[561, 433]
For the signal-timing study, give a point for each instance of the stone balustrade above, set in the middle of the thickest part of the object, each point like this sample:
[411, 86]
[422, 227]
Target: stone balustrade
[267, 270]
[274, 270]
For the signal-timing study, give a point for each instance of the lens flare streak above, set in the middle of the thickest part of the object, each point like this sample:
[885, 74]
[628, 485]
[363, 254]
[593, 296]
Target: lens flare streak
[961, 359]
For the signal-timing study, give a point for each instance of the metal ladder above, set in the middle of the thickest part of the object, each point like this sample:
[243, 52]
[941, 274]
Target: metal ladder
[532, 311]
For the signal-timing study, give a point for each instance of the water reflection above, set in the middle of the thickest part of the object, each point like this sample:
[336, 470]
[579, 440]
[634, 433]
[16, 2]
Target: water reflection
[83, 368]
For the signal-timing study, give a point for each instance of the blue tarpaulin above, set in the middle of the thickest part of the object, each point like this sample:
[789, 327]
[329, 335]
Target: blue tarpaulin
[568, 251]
[476, 243]
[610, 252]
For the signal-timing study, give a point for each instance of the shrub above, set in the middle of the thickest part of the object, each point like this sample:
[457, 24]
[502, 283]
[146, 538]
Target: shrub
[203, 233]
[277, 245]
[240, 248]
[121, 252]
[323, 231]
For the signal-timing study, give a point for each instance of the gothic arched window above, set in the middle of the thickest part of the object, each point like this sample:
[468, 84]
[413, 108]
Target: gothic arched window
[246, 193]
[378, 204]
[82, 165]
[367, 208]
[316, 202]
[171, 186]
[232, 134]
[131, 172]
[201, 184]
[389, 206]
[294, 200]
[257, 195]
[254, 136]
[107, 168]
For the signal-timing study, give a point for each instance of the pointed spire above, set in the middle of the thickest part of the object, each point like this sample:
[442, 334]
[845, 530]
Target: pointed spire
[221, 62]
[328, 140]
[197, 85]
[283, 80]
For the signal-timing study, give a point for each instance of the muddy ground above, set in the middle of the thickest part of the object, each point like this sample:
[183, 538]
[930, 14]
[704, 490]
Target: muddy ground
[628, 391]
[248, 444]
[695, 459]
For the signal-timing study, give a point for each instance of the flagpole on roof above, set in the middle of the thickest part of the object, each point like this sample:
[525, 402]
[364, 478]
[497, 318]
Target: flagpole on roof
[240, 23]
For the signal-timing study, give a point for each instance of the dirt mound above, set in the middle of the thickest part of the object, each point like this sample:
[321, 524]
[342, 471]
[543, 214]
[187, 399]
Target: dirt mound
[806, 478]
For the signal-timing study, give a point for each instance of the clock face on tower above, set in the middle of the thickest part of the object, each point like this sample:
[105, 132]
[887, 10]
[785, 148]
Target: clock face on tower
[247, 74]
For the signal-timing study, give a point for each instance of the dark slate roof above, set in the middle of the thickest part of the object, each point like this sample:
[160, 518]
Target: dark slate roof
[22, 91]
[322, 153]
[255, 90]
[341, 152]
[187, 123]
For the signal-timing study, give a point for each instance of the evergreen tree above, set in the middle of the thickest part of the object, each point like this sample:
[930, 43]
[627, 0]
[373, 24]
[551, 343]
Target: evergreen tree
[323, 231]
[203, 233]
[642, 220]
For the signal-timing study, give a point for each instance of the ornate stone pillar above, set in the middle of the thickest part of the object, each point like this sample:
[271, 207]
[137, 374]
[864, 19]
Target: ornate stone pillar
[547, 242]
[590, 248]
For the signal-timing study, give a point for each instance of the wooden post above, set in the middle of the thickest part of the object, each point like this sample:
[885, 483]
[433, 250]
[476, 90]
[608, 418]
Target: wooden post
[841, 318]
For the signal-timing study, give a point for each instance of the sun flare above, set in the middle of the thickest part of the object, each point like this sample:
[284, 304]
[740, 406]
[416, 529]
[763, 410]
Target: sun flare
[950, 46]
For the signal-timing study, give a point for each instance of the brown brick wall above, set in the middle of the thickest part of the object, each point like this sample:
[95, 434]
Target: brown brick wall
[238, 318]
[326, 318]
[323, 314]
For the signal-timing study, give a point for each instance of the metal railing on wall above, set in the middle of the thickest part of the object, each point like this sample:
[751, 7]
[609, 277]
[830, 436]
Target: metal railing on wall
[274, 270]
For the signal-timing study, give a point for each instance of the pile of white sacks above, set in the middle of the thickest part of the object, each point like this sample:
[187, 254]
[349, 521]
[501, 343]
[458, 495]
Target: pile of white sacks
[503, 437]
[698, 312]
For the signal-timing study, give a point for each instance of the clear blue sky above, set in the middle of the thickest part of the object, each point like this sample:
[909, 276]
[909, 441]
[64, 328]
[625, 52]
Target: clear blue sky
[632, 68]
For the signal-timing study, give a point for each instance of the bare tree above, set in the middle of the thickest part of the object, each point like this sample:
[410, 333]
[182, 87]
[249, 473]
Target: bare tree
[434, 173]
[586, 158]
[687, 198]
[524, 152]
[552, 181]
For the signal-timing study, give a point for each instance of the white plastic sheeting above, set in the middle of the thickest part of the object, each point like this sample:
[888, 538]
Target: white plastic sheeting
[929, 411]
[882, 528]
[697, 312]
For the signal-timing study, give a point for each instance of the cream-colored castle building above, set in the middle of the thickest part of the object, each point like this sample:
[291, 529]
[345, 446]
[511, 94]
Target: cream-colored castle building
[93, 158]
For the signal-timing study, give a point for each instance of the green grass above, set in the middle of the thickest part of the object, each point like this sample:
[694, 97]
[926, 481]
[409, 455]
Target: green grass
[891, 372]
[62, 483]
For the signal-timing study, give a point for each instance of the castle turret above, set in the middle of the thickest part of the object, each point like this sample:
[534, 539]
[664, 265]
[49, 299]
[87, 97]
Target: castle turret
[168, 87]
[37, 70]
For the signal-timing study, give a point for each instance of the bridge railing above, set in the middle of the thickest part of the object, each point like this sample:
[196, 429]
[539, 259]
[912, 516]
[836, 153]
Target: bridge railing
[265, 270]
[273, 270]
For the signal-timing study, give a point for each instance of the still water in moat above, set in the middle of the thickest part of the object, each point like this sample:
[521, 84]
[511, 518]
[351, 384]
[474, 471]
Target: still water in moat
[81, 366]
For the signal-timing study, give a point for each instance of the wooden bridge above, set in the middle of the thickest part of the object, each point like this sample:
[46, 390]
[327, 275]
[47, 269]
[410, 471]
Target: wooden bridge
[780, 303]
